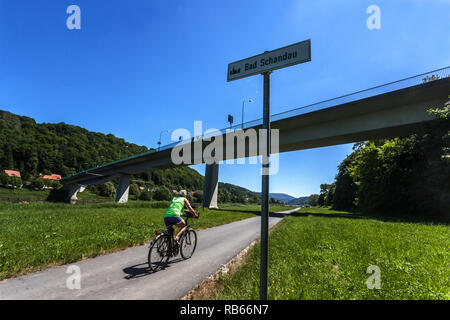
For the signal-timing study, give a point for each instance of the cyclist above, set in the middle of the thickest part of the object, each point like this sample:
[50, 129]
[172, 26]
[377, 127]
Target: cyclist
[173, 213]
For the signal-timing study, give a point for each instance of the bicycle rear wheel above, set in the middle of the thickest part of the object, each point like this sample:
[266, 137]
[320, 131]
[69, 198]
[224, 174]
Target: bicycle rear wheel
[188, 244]
[158, 255]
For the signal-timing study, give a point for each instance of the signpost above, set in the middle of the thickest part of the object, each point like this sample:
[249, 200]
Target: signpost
[264, 64]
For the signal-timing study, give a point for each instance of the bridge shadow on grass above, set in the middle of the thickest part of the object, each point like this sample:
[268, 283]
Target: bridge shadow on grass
[142, 269]
[256, 213]
[328, 215]
[385, 217]
[403, 217]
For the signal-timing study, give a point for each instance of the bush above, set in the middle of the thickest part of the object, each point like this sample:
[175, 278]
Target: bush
[198, 196]
[15, 181]
[4, 178]
[107, 189]
[162, 194]
[37, 184]
[145, 196]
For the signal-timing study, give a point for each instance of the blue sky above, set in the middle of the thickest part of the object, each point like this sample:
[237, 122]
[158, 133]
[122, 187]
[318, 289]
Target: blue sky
[138, 67]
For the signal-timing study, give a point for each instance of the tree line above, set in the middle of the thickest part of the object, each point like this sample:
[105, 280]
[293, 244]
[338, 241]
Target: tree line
[401, 176]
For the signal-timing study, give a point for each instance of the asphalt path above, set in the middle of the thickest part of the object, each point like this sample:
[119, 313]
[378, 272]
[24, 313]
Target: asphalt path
[125, 274]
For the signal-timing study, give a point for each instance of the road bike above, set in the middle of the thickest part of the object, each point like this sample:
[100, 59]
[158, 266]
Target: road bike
[164, 246]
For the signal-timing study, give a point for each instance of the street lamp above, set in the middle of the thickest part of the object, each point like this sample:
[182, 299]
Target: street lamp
[160, 134]
[230, 120]
[243, 103]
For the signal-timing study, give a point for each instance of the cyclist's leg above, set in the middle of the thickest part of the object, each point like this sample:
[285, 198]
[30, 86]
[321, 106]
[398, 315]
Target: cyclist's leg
[178, 222]
[182, 225]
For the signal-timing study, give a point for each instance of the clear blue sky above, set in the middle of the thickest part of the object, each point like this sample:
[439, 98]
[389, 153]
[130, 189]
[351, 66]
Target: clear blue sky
[134, 67]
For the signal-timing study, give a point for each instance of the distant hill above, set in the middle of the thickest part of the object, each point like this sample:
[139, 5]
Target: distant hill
[279, 196]
[299, 201]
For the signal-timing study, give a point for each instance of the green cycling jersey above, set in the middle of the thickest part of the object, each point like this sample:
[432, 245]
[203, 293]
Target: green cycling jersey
[175, 207]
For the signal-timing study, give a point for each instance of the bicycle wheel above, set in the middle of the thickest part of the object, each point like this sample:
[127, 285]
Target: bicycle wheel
[188, 244]
[158, 255]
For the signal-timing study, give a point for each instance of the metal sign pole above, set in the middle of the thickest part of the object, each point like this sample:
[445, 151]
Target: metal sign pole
[265, 192]
[264, 64]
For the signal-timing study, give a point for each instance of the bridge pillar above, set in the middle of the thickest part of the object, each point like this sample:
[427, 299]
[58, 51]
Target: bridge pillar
[123, 188]
[211, 186]
[73, 190]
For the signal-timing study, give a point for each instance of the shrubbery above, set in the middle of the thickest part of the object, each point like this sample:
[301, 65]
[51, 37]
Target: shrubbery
[162, 194]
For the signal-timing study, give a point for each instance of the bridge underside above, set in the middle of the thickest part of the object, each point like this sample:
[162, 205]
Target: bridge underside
[393, 114]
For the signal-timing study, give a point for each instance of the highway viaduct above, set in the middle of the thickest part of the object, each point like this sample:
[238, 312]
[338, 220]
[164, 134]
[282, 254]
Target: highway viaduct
[392, 110]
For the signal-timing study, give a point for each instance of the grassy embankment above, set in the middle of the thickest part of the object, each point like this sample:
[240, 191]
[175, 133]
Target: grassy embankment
[324, 254]
[40, 234]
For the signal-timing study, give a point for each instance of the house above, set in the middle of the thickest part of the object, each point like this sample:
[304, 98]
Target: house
[13, 173]
[54, 177]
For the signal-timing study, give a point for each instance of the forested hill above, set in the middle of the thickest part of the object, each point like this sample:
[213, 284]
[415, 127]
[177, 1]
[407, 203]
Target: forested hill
[60, 148]
[35, 149]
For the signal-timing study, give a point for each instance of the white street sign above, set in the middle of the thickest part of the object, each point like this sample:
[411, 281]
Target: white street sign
[280, 58]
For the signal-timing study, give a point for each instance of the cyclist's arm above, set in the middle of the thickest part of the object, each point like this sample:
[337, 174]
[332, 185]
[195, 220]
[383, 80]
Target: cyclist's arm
[188, 205]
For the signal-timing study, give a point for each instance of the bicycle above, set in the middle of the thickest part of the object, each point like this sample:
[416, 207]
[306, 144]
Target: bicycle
[164, 246]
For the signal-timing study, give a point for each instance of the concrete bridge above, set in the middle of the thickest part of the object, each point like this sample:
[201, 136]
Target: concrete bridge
[392, 110]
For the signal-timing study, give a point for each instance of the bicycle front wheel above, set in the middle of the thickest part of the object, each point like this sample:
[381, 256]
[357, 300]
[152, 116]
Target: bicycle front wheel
[188, 244]
[158, 255]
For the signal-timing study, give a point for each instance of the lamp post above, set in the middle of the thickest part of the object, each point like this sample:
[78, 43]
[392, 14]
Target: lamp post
[230, 120]
[243, 104]
[160, 134]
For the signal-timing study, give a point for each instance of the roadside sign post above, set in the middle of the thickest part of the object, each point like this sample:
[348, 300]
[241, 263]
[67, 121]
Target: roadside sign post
[264, 64]
[264, 255]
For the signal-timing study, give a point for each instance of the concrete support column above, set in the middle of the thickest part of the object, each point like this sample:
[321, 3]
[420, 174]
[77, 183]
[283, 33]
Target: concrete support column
[123, 188]
[211, 186]
[73, 190]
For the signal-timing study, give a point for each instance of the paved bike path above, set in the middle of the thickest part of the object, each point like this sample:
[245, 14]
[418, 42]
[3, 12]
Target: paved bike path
[125, 274]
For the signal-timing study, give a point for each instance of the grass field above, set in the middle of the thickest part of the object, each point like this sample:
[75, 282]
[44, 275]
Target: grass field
[324, 254]
[41, 234]
[22, 194]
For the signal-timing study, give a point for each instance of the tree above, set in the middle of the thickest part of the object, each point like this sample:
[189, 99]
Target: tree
[314, 199]
[329, 196]
[398, 176]
[323, 192]
[134, 190]
[443, 113]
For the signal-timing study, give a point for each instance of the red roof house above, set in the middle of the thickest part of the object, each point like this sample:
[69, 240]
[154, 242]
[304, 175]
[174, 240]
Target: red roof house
[13, 173]
[55, 177]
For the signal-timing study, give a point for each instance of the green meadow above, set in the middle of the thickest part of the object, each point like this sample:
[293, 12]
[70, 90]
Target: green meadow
[324, 254]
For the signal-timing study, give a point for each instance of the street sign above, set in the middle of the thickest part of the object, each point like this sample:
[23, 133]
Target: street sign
[271, 60]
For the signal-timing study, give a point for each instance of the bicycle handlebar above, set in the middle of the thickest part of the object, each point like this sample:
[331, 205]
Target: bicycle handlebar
[189, 214]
